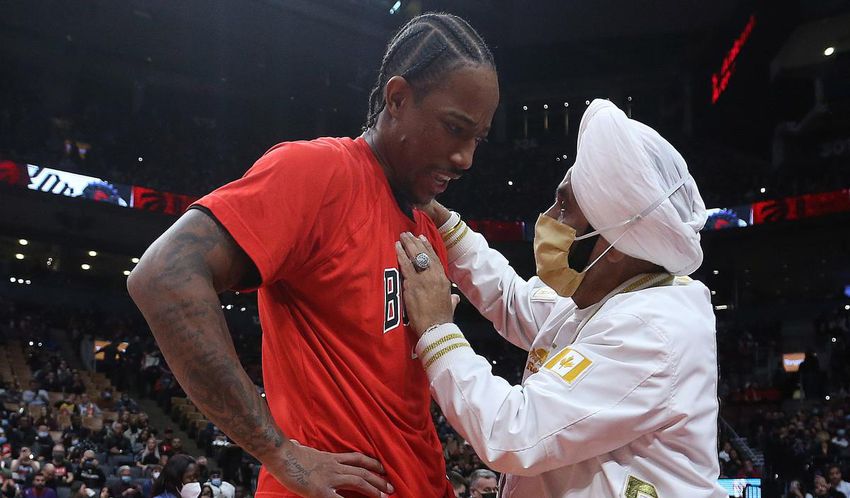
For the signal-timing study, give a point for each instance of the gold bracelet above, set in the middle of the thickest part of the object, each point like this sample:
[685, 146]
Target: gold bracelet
[446, 236]
[459, 238]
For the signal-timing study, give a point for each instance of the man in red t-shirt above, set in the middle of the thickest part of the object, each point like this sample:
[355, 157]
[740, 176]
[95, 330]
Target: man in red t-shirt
[313, 226]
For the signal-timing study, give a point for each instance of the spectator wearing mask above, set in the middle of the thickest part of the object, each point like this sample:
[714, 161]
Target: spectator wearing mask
[220, 487]
[43, 446]
[179, 479]
[76, 437]
[836, 482]
[125, 488]
[90, 472]
[483, 483]
[24, 467]
[64, 476]
[39, 488]
[153, 472]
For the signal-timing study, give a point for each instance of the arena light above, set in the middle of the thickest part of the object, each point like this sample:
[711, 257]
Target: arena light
[510, 183]
[564, 156]
[92, 253]
[85, 266]
[141, 158]
[28, 282]
[395, 7]
[713, 293]
[23, 242]
[525, 108]
[826, 397]
[134, 260]
[20, 280]
[716, 272]
[721, 307]
[126, 273]
[762, 190]
[829, 51]
[545, 106]
[566, 104]
[834, 339]
[19, 256]
[847, 307]
[243, 309]
[720, 79]
[12, 279]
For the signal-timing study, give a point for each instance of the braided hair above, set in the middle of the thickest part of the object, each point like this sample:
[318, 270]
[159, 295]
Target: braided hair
[423, 50]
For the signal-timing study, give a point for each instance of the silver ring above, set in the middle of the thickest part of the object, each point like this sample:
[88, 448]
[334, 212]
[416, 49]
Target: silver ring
[421, 261]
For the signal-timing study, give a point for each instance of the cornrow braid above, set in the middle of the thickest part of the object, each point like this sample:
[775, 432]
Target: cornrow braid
[423, 50]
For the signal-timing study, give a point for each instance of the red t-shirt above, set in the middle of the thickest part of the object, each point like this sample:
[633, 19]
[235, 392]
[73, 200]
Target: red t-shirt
[320, 222]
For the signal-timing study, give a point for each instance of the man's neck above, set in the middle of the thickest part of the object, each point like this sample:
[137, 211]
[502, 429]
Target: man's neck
[375, 144]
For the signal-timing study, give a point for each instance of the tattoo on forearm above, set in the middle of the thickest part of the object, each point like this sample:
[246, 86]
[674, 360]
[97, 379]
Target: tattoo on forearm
[194, 338]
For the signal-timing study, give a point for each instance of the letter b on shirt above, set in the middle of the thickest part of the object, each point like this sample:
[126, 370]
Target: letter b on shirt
[392, 302]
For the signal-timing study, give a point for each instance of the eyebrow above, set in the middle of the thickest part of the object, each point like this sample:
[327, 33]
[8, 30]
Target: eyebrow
[465, 118]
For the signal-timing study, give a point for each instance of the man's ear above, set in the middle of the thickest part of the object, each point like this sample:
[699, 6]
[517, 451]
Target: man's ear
[397, 94]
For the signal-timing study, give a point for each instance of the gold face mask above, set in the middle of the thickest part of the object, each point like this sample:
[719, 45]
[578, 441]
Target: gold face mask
[552, 241]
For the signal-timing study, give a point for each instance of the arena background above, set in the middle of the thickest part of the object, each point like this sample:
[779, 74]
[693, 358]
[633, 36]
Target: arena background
[115, 115]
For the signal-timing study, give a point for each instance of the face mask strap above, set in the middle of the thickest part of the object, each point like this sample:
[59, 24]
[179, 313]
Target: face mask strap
[673, 188]
[676, 186]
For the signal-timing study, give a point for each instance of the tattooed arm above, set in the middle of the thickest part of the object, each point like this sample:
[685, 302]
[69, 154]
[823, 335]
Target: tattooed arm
[176, 286]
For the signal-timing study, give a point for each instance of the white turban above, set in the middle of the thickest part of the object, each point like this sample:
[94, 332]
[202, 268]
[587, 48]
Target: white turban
[622, 169]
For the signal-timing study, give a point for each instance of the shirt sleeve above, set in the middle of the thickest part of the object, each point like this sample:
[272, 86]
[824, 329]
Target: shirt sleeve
[589, 399]
[282, 211]
[516, 307]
